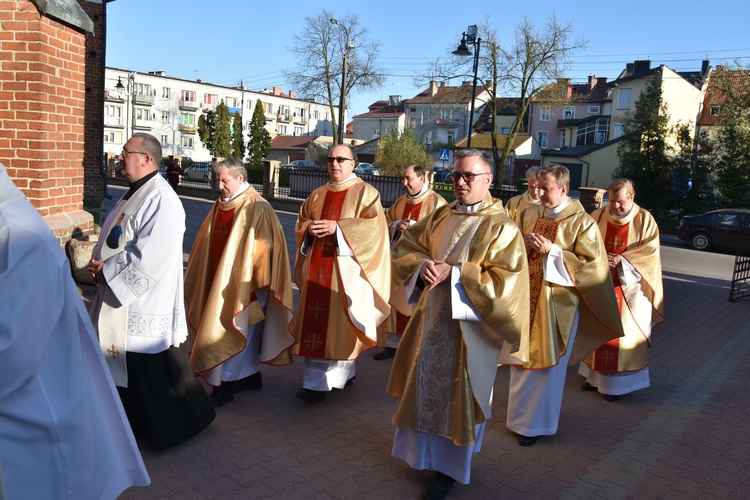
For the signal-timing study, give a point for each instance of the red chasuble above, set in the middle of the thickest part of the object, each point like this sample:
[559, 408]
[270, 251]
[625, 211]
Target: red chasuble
[222, 228]
[411, 212]
[316, 308]
[616, 241]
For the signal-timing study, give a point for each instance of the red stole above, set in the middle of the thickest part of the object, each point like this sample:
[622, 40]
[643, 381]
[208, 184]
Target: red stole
[316, 308]
[221, 230]
[411, 212]
[546, 227]
[616, 241]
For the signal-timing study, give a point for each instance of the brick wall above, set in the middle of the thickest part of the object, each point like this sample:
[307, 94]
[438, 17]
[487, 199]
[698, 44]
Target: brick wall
[42, 102]
[93, 140]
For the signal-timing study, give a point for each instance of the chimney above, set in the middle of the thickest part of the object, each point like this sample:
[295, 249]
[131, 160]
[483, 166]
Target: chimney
[705, 66]
[642, 66]
[277, 91]
[592, 81]
[291, 94]
[394, 100]
[433, 87]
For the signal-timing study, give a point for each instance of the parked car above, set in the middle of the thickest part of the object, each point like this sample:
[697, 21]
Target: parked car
[198, 172]
[440, 174]
[163, 169]
[366, 169]
[301, 164]
[718, 228]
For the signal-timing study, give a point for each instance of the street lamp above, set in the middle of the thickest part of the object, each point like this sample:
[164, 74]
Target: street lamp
[342, 99]
[469, 37]
[131, 96]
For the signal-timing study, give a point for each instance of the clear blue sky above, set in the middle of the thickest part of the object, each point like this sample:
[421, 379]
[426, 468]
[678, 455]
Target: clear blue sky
[224, 41]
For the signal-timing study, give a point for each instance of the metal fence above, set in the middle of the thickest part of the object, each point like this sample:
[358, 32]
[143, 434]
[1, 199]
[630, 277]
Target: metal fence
[741, 275]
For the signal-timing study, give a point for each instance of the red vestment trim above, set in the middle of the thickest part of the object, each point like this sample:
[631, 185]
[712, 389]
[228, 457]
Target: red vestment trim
[316, 309]
[411, 212]
[616, 241]
[222, 229]
[546, 227]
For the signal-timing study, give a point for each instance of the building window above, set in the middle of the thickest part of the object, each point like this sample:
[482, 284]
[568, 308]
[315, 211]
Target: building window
[188, 95]
[505, 131]
[544, 114]
[620, 129]
[165, 116]
[298, 131]
[250, 104]
[166, 92]
[210, 99]
[562, 139]
[164, 140]
[569, 113]
[713, 111]
[112, 115]
[282, 129]
[594, 110]
[543, 137]
[113, 137]
[623, 98]
[142, 114]
[187, 141]
[141, 89]
[451, 138]
[593, 132]
[231, 102]
[315, 114]
[187, 119]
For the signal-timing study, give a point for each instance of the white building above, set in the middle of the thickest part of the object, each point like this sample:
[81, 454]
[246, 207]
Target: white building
[169, 108]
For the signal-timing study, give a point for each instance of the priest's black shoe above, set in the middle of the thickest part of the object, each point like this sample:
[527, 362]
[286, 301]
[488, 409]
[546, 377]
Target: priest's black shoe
[438, 487]
[611, 398]
[220, 396]
[588, 387]
[311, 396]
[250, 383]
[526, 440]
[386, 353]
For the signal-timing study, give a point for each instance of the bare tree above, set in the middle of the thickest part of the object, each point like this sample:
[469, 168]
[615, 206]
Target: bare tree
[527, 68]
[319, 50]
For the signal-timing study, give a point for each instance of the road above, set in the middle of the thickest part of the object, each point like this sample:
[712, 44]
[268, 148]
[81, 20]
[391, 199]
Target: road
[677, 255]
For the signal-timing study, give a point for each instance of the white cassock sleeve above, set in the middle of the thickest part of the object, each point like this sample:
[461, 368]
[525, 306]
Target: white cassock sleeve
[150, 236]
[627, 273]
[554, 268]
[461, 307]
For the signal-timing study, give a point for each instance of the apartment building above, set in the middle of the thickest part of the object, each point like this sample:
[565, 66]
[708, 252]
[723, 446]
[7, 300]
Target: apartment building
[170, 107]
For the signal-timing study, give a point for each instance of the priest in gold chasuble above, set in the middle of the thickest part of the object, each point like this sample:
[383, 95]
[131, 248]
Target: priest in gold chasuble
[418, 202]
[530, 198]
[573, 306]
[631, 238]
[465, 267]
[238, 288]
[343, 272]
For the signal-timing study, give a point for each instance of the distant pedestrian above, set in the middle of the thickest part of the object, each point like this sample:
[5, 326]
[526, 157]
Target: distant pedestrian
[631, 238]
[173, 173]
[529, 198]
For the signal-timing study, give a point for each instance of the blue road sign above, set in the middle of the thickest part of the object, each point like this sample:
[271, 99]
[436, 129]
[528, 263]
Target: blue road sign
[445, 155]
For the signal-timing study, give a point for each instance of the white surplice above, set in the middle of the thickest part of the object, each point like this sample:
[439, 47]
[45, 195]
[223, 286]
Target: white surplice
[63, 431]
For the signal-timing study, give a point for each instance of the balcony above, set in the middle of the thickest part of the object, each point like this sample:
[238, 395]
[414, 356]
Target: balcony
[143, 99]
[189, 105]
[446, 122]
[142, 124]
[114, 121]
[271, 117]
[206, 106]
[301, 120]
[284, 117]
[114, 95]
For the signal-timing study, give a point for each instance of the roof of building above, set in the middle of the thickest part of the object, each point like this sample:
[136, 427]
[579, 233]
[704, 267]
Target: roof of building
[443, 94]
[290, 142]
[579, 151]
[484, 141]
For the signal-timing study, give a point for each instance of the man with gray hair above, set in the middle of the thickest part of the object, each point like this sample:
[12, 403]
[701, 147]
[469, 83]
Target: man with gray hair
[529, 198]
[631, 238]
[238, 288]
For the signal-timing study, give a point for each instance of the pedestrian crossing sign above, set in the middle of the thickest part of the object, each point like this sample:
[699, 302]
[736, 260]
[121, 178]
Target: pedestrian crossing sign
[445, 155]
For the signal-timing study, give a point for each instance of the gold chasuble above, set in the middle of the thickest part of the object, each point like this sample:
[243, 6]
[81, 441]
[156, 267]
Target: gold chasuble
[635, 238]
[239, 250]
[553, 307]
[444, 368]
[518, 204]
[414, 209]
[344, 298]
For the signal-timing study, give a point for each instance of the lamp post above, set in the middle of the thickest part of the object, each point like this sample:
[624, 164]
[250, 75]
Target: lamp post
[131, 96]
[342, 98]
[469, 37]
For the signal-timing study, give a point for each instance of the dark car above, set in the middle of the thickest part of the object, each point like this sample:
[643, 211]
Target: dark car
[718, 228]
[366, 169]
[301, 164]
[440, 174]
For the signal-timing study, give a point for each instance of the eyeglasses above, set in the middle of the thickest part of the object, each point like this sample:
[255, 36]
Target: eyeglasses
[468, 177]
[125, 153]
[340, 159]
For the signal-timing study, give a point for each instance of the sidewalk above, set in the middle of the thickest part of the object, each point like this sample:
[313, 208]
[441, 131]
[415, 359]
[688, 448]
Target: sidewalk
[687, 436]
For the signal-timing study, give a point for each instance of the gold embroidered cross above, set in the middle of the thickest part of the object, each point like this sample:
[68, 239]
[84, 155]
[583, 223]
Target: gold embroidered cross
[113, 351]
[321, 276]
[332, 212]
[316, 308]
[606, 358]
[313, 342]
[615, 242]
